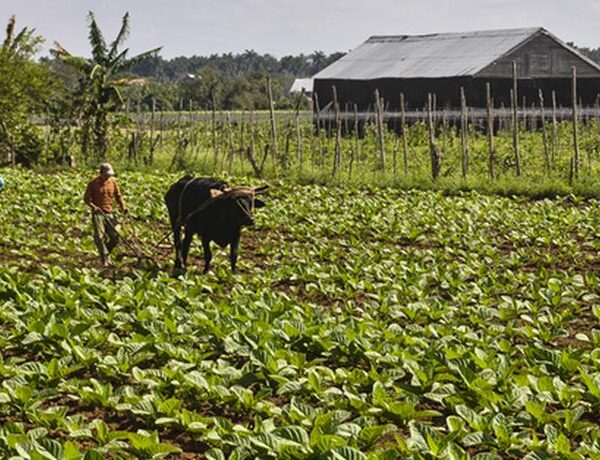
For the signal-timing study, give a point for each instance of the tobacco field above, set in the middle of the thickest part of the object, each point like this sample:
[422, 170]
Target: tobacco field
[365, 323]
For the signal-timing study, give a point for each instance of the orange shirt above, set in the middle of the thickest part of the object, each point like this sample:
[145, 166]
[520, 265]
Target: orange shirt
[101, 193]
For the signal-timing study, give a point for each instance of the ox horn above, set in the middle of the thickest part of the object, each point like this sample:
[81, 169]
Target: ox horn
[215, 193]
[261, 189]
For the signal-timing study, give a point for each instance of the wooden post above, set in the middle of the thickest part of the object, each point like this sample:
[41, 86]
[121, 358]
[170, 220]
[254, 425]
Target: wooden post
[191, 122]
[404, 133]
[597, 112]
[380, 135]
[544, 133]
[272, 120]
[317, 114]
[213, 126]
[230, 143]
[161, 127]
[435, 153]
[515, 120]
[490, 130]
[463, 132]
[355, 152]
[299, 146]
[338, 133]
[179, 130]
[524, 114]
[152, 141]
[554, 131]
[575, 120]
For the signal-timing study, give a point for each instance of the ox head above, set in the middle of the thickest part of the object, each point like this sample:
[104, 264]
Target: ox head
[241, 201]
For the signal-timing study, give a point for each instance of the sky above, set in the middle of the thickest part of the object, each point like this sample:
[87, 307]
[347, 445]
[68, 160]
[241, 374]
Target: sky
[284, 27]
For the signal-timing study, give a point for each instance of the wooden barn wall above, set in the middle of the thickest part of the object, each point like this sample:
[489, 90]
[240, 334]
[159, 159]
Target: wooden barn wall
[541, 57]
[447, 91]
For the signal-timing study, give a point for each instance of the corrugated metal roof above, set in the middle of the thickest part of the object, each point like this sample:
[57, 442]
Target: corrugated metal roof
[301, 84]
[426, 56]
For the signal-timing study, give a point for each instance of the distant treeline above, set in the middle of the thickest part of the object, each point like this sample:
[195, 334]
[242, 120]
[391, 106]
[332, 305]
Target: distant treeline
[232, 65]
[227, 81]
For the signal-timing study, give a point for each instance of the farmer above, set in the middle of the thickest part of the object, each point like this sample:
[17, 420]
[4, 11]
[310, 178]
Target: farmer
[99, 196]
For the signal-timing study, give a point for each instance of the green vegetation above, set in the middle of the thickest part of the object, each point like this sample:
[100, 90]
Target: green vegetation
[25, 89]
[366, 323]
[241, 142]
[100, 80]
[379, 314]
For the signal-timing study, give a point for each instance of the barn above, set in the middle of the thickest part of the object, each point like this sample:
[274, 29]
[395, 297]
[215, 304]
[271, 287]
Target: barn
[441, 64]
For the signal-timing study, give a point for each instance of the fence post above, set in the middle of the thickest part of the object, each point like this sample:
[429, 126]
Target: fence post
[544, 133]
[490, 130]
[355, 152]
[213, 127]
[380, 134]
[299, 145]
[515, 121]
[463, 133]
[273, 123]
[554, 131]
[404, 137]
[435, 153]
[152, 142]
[575, 119]
[338, 133]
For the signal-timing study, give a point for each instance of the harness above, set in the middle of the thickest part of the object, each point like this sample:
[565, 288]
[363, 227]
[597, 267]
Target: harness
[252, 199]
[180, 207]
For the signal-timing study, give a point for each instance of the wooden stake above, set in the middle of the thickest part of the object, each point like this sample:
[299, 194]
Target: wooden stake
[213, 126]
[230, 143]
[191, 122]
[338, 133]
[435, 153]
[380, 135]
[490, 130]
[544, 133]
[515, 120]
[152, 141]
[355, 152]
[299, 146]
[404, 133]
[272, 120]
[554, 131]
[575, 123]
[463, 133]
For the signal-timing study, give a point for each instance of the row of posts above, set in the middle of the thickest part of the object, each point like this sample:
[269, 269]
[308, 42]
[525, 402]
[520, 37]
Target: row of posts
[435, 152]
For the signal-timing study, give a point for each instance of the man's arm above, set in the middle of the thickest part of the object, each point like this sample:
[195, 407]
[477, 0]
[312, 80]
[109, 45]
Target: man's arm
[119, 197]
[87, 197]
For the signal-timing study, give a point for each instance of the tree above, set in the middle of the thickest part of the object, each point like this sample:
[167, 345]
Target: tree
[101, 78]
[25, 88]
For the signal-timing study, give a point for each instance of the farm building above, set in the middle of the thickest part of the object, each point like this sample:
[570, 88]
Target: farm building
[302, 85]
[443, 63]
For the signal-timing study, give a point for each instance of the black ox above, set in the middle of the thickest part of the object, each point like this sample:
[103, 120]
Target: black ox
[212, 210]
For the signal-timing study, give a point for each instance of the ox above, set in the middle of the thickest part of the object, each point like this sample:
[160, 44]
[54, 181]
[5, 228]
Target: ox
[212, 210]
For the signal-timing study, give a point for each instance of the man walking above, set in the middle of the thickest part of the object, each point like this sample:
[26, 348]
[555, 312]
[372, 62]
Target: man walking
[99, 196]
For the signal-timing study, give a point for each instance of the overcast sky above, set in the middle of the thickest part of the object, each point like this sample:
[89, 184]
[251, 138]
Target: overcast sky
[280, 27]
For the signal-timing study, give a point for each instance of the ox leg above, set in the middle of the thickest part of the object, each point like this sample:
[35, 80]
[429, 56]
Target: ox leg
[185, 247]
[207, 254]
[233, 255]
[177, 242]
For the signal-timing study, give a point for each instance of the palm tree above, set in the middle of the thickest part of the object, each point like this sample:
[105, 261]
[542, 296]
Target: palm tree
[101, 78]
